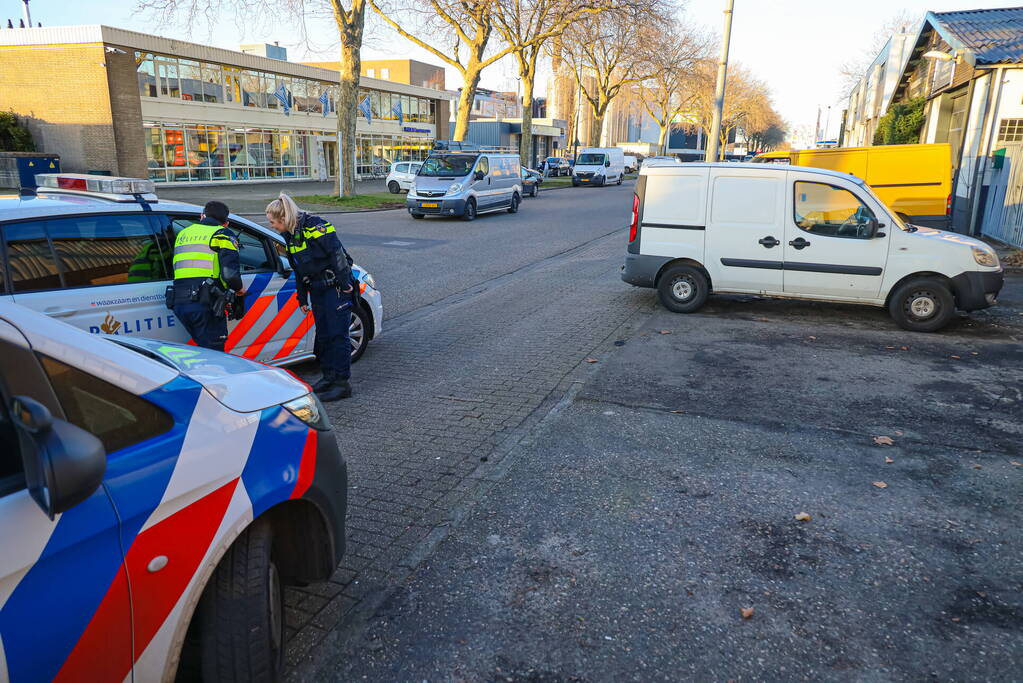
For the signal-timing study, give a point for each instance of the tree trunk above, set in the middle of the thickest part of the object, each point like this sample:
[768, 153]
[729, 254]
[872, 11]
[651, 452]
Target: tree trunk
[662, 139]
[597, 126]
[470, 82]
[526, 139]
[350, 29]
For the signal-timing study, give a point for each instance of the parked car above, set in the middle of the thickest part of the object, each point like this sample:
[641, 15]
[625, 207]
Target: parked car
[806, 233]
[631, 164]
[557, 166]
[531, 181]
[69, 252]
[599, 166]
[662, 159]
[401, 175]
[155, 500]
[466, 184]
[913, 180]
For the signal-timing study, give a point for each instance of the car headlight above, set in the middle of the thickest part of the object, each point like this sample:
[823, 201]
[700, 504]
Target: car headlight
[454, 187]
[412, 188]
[985, 257]
[308, 409]
[368, 279]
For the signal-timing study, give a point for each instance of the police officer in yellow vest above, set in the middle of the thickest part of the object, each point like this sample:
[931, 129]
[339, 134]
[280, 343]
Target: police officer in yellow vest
[206, 265]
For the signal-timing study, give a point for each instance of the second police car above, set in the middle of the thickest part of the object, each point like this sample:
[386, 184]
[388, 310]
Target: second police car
[95, 252]
[154, 500]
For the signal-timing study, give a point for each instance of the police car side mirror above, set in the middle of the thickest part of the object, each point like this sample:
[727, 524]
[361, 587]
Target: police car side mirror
[283, 267]
[64, 464]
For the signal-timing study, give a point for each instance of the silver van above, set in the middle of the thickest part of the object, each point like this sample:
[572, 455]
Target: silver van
[465, 184]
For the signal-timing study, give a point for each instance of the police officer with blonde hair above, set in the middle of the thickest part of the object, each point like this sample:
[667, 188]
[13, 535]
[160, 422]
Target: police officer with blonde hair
[324, 282]
[205, 265]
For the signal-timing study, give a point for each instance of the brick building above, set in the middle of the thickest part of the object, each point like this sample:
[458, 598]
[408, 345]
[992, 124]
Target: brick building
[127, 103]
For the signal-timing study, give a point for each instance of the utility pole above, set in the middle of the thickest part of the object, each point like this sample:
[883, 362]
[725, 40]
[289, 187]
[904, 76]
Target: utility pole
[719, 93]
[28, 15]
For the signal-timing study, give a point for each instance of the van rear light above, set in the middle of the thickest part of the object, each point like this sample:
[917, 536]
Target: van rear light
[634, 226]
[948, 206]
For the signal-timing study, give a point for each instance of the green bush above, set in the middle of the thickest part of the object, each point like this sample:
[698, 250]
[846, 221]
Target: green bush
[902, 124]
[14, 136]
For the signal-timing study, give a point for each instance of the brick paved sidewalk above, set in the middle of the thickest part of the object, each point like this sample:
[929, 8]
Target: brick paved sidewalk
[435, 398]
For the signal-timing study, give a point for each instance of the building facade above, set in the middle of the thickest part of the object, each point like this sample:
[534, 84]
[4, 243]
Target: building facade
[872, 94]
[408, 71]
[114, 101]
[548, 136]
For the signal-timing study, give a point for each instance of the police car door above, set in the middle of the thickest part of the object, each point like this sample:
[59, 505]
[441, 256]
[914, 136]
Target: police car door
[274, 328]
[56, 619]
[100, 273]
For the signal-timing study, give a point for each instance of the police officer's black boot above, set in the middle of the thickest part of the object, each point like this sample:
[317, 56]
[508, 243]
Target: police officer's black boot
[341, 389]
[323, 383]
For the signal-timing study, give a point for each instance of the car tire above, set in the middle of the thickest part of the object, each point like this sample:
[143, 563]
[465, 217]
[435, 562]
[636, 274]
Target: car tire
[683, 289]
[358, 331]
[575, 183]
[241, 612]
[394, 187]
[619, 179]
[417, 215]
[513, 207]
[469, 213]
[924, 304]
[536, 191]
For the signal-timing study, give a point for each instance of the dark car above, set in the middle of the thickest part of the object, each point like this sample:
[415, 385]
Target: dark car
[531, 181]
[555, 166]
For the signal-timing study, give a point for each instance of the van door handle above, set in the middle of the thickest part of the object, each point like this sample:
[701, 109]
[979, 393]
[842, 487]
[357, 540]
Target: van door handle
[769, 241]
[55, 312]
[799, 243]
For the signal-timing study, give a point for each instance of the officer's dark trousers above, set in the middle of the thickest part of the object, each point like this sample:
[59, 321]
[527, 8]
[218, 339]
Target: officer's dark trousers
[332, 314]
[206, 330]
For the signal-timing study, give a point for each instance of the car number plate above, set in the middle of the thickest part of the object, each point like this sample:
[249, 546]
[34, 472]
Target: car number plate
[585, 180]
[429, 205]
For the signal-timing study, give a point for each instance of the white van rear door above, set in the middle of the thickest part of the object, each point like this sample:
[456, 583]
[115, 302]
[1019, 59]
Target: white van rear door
[829, 250]
[745, 229]
[675, 212]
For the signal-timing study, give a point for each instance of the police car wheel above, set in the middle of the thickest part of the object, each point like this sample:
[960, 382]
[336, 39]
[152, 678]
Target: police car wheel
[358, 332]
[242, 612]
[394, 187]
[683, 289]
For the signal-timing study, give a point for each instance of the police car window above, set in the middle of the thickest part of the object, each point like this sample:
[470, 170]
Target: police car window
[107, 250]
[30, 259]
[12, 471]
[117, 418]
[252, 253]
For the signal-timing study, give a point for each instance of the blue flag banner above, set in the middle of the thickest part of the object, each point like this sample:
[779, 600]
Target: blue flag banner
[325, 101]
[366, 109]
[282, 96]
[396, 110]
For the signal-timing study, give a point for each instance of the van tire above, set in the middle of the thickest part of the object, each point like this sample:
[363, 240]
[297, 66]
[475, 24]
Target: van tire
[924, 304]
[575, 183]
[683, 289]
[514, 206]
[470, 210]
[394, 187]
[619, 178]
[241, 612]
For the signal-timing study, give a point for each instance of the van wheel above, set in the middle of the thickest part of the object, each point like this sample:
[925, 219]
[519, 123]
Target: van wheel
[619, 179]
[683, 289]
[922, 305]
[575, 183]
[394, 187]
[470, 210]
[241, 612]
[514, 206]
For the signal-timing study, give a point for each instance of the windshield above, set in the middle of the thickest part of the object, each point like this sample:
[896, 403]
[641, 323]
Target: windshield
[590, 159]
[448, 165]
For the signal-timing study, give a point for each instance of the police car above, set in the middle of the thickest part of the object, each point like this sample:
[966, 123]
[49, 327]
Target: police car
[154, 498]
[95, 252]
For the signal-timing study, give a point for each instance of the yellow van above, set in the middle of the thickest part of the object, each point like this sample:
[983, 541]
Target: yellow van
[913, 180]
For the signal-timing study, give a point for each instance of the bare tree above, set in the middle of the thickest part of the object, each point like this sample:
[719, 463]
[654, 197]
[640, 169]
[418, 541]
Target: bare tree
[675, 55]
[747, 103]
[602, 51]
[526, 26]
[350, 19]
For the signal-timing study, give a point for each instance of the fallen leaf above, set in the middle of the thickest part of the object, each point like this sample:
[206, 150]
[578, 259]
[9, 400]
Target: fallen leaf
[888, 461]
[889, 347]
[955, 618]
[803, 517]
[883, 440]
[956, 357]
[1017, 464]
[977, 467]
[904, 348]
[679, 412]
[665, 331]
[974, 353]
[746, 612]
[880, 484]
[811, 337]
[591, 360]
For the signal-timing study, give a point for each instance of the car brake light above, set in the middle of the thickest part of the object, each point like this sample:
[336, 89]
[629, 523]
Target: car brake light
[948, 206]
[71, 183]
[634, 227]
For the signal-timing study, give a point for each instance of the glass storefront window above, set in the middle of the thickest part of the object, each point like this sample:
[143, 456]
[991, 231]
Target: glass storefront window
[251, 89]
[270, 82]
[232, 83]
[155, 159]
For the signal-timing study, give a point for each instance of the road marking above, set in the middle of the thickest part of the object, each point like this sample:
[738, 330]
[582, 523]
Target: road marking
[398, 243]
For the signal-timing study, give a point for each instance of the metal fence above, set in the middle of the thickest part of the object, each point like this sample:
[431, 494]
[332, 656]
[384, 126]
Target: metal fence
[1003, 209]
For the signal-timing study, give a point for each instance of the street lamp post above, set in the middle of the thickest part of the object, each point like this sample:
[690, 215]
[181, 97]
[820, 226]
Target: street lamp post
[719, 93]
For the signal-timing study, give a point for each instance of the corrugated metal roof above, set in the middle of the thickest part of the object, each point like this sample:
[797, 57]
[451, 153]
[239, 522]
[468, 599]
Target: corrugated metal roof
[995, 36]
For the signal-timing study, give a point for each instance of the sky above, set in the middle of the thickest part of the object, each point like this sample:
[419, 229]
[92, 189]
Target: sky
[796, 46]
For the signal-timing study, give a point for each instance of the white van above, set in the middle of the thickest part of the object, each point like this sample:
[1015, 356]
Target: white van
[631, 163]
[599, 166]
[797, 232]
[465, 184]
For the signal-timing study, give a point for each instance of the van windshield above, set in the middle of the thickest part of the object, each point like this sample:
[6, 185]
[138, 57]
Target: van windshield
[448, 165]
[590, 159]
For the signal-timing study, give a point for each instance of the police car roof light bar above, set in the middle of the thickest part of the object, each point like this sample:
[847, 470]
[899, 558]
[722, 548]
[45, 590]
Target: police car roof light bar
[109, 187]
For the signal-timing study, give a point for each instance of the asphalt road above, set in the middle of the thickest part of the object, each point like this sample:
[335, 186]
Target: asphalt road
[522, 514]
